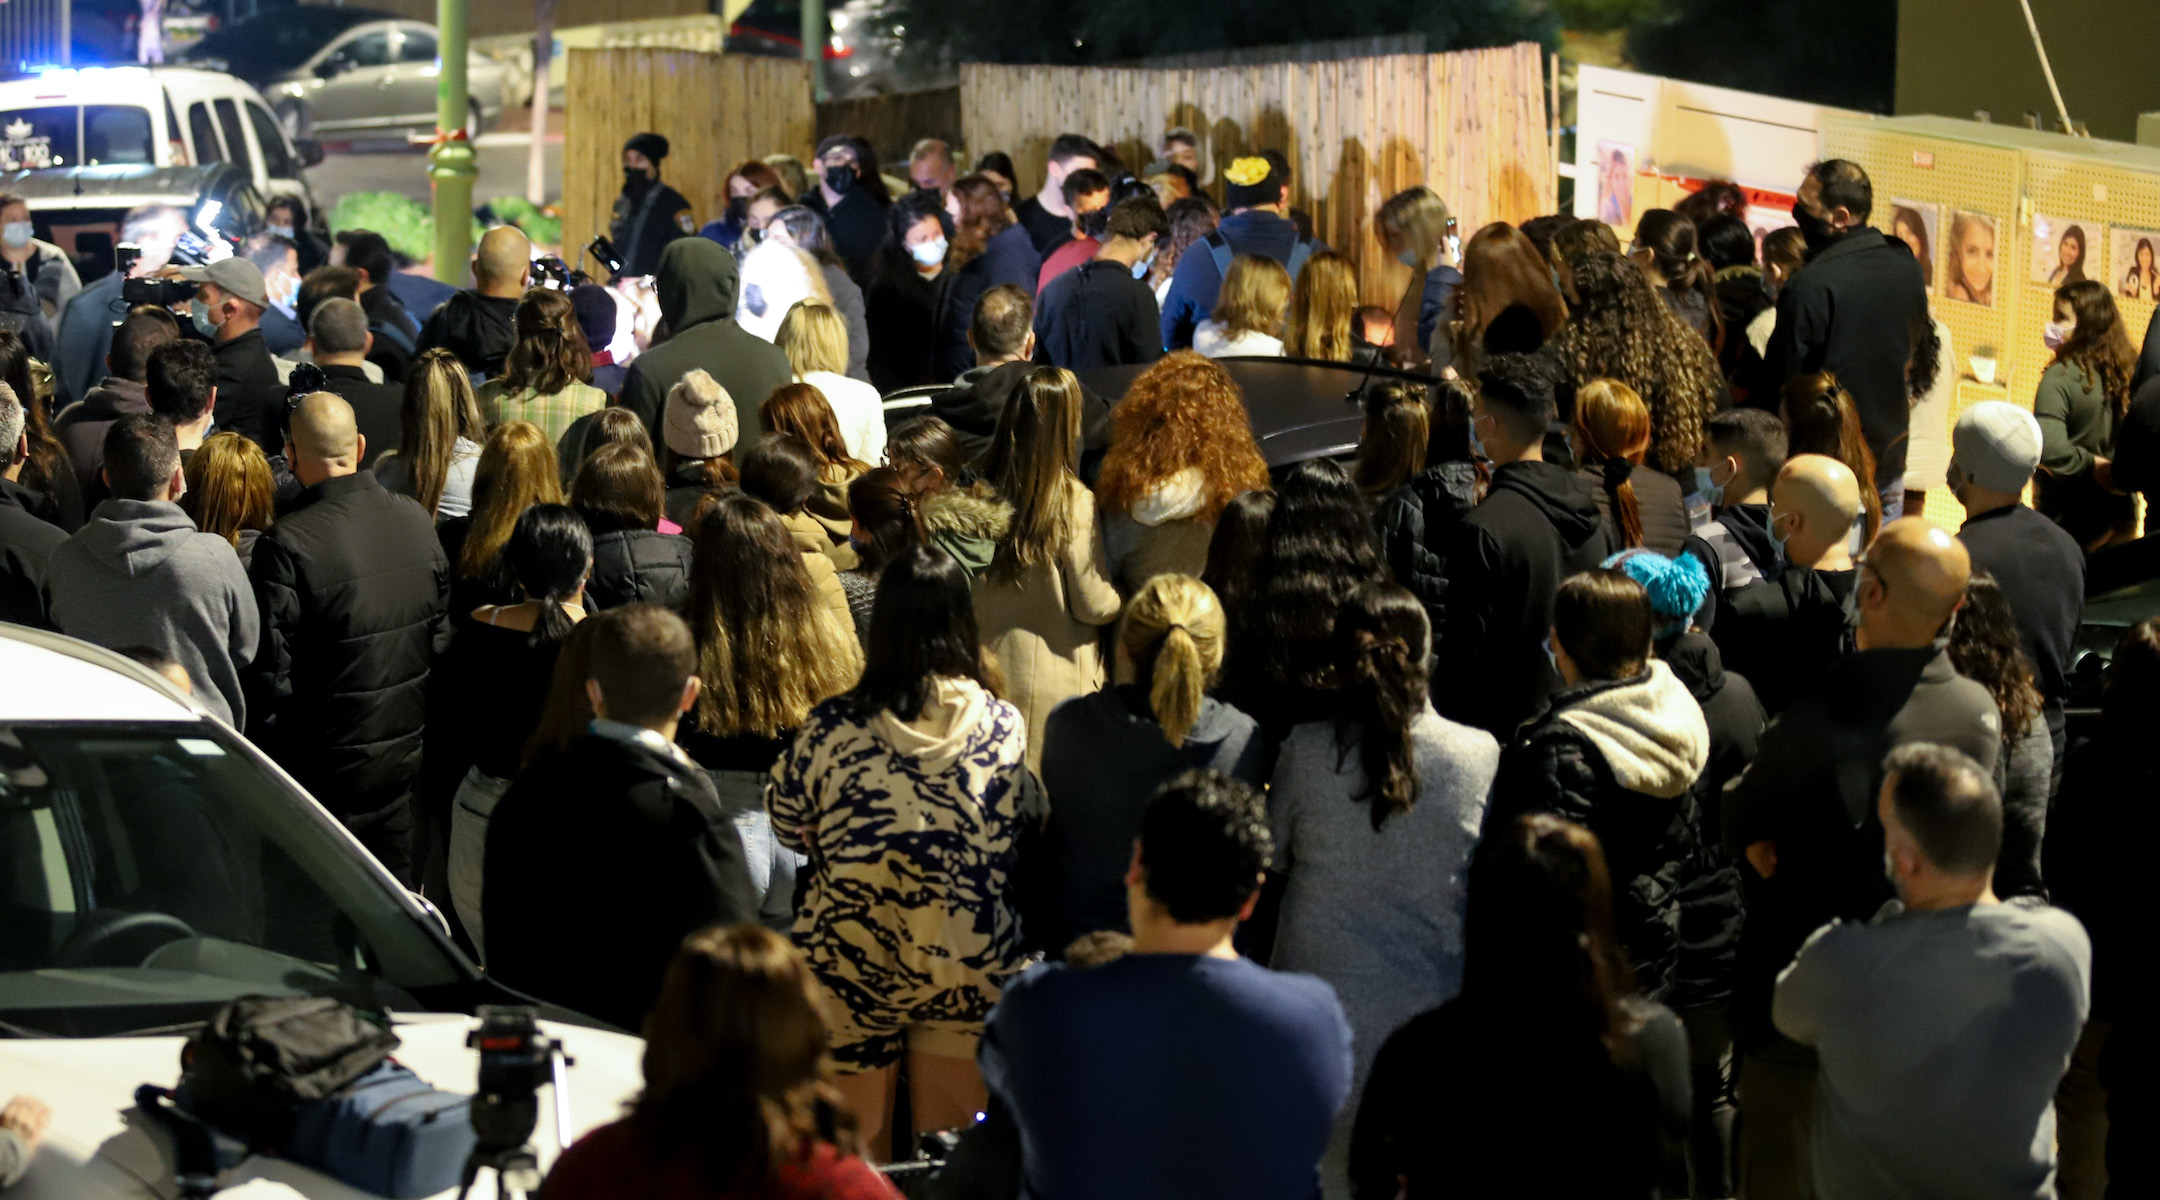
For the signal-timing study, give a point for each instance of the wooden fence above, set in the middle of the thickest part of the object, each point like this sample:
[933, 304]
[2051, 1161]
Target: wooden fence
[893, 124]
[1471, 125]
[715, 110]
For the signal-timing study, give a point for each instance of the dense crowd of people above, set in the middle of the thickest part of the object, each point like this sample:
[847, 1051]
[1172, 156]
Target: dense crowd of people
[1604, 783]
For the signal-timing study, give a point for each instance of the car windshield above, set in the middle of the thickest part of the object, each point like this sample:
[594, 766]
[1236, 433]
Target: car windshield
[32, 139]
[149, 873]
[280, 41]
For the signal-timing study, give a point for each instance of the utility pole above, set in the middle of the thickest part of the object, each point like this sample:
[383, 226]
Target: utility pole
[451, 166]
[543, 59]
[814, 35]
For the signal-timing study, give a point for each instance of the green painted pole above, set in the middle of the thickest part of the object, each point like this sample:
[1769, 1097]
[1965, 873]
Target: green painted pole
[451, 165]
[814, 36]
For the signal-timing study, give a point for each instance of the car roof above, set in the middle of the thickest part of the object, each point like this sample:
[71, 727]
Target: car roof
[56, 678]
[98, 84]
[116, 184]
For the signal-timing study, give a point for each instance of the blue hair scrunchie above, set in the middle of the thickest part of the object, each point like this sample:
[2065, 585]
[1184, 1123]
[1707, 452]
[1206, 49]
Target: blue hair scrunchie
[1677, 586]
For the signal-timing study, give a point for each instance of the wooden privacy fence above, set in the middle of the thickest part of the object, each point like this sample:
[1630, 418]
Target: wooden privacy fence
[715, 110]
[1471, 125]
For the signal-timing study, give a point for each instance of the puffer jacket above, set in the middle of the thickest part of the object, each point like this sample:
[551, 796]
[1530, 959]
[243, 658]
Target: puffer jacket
[1414, 522]
[639, 566]
[1620, 758]
[353, 587]
[1710, 904]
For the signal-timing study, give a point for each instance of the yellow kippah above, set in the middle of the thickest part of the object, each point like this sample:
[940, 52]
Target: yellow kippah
[1246, 172]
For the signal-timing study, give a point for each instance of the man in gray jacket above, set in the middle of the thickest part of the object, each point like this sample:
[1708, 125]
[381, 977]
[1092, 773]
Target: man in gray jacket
[139, 574]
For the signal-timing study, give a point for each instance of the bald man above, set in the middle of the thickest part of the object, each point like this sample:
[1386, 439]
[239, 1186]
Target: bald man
[478, 324]
[352, 585]
[1803, 818]
[1782, 634]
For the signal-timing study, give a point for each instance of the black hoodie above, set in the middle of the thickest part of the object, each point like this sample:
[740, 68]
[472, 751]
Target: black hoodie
[696, 285]
[1736, 549]
[1709, 885]
[478, 329]
[1537, 525]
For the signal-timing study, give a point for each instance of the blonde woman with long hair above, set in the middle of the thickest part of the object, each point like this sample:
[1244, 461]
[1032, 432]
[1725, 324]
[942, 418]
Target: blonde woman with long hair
[230, 491]
[1248, 317]
[1322, 310]
[1181, 448]
[439, 451]
[1416, 228]
[814, 336]
[1048, 587]
[1105, 754]
[517, 470]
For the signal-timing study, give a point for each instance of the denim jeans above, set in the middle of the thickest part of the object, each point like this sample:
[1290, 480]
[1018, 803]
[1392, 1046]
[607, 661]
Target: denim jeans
[773, 867]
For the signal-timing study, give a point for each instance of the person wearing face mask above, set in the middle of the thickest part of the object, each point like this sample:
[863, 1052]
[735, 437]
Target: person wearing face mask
[851, 197]
[1853, 312]
[931, 167]
[287, 217]
[279, 261]
[1743, 451]
[44, 265]
[743, 184]
[900, 298]
[1101, 314]
[648, 214]
[1784, 632]
[1088, 195]
[227, 311]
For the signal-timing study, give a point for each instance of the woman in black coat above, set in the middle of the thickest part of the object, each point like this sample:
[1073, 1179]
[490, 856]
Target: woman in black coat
[990, 248]
[619, 494]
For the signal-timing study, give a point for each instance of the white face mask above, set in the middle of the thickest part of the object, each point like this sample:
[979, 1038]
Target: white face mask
[17, 234]
[930, 253]
[283, 231]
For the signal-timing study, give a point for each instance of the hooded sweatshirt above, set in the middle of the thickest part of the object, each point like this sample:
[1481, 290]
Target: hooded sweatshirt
[139, 574]
[1621, 758]
[1163, 534]
[1537, 525]
[915, 825]
[478, 329]
[81, 427]
[967, 523]
[980, 394]
[697, 286]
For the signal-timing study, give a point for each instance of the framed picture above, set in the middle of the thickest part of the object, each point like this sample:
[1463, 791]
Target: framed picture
[2062, 249]
[1616, 186]
[2134, 263]
[1969, 259]
[1918, 224]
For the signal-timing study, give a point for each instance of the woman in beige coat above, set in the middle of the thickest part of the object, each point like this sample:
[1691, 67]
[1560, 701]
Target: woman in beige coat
[1048, 589]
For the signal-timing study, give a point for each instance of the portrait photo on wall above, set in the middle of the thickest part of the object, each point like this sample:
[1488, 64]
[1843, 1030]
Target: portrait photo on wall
[2061, 249]
[1969, 259]
[1616, 185]
[2134, 263]
[1918, 224]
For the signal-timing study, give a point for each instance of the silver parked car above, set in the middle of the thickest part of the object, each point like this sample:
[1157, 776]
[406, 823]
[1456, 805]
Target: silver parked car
[344, 73]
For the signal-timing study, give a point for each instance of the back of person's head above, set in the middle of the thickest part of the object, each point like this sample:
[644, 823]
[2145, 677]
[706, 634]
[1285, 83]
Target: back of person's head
[1319, 551]
[2130, 702]
[229, 487]
[1518, 392]
[1383, 650]
[1539, 947]
[1204, 843]
[517, 470]
[1821, 418]
[1172, 634]
[803, 410]
[502, 258]
[1727, 242]
[1255, 297]
[698, 423]
[1668, 240]
[1912, 581]
[338, 327]
[1453, 409]
[1321, 305]
[919, 446]
[323, 431]
[548, 557]
[1946, 809]
[438, 409]
[142, 331]
[1676, 587]
[614, 426]
[1844, 185]
[619, 488]
[1396, 436]
[1784, 250]
[178, 379]
[550, 353]
[321, 284]
[1184, 413]
[1612, 429]
[888, 508]
[1137, 218]
[814, 337]
[781, 470]
[1717, 198]
[736, 1069]
[807, 230]
[141, 455]
[368, 251]
[1755, 441]
[642, 659]
[1190, 220]
[1603, 622]
[1034, 453]
[922, 627]
[1238, 549]
[767, 650]
[1985, 647]
[1003, 319]
[1501, 271]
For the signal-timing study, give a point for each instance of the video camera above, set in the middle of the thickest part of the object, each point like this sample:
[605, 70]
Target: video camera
[165, 293]
[515, 1060]
[551, 272]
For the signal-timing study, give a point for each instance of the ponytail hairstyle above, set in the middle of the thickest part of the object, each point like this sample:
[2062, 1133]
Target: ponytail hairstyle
[1383, 641]
[1820, 418]
[1396, 439]
[889, 511]
[549, 556]
[1173, 635]
[1612, 424]
[550, 353]
[1669, 240]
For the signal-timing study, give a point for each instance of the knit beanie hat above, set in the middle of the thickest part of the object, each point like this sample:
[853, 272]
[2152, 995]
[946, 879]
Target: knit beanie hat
[651, 145]
[1677, 587]
[699, 420]
[1252, 180]
[1996, 444]
[595, 310]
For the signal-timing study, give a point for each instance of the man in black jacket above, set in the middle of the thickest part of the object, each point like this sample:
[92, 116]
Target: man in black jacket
[603, 856]
[26, 541]
[1099, 314]
[353, 587]
[648, 214]
[1003, 339]
[479, 323]
[1784, 632]
[1538, 524]
[1853, 311]
[228, 308]
[1803, 819]
[339, 340]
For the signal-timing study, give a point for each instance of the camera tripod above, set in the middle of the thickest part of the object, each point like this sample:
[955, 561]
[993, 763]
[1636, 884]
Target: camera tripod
[515, 1059]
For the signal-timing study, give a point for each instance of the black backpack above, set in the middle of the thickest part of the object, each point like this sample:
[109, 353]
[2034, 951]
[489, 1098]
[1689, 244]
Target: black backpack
[22, 312]
[262, 1057]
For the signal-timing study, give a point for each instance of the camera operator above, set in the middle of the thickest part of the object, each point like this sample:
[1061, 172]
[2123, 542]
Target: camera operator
[228, 309]
[87, 321]
[279, 260]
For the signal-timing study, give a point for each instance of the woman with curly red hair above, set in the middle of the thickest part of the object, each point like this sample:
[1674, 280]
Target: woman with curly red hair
[1181, 448]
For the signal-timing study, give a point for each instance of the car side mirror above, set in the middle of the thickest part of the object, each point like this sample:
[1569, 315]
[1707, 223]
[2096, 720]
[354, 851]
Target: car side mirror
[310, 151]
[330, 68]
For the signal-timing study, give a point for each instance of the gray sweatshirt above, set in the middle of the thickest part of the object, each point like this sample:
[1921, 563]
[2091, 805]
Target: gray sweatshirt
[139, 574]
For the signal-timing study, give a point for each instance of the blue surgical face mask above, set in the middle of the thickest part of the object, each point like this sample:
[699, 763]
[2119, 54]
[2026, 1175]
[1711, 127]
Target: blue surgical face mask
[1141, 268]
[1408, 258]
[1780, 538]
[1551, 657]
[283, 231]
[200, 314]
[858, 544]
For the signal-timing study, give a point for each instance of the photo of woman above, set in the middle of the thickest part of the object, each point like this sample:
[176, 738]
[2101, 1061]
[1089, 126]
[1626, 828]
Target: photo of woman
[2058, 251]
[1970, 275]
[1914, 223]
[2137, 273]
[1616, 184]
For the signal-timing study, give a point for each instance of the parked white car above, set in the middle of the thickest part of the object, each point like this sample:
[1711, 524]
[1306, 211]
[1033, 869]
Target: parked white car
[153, 866]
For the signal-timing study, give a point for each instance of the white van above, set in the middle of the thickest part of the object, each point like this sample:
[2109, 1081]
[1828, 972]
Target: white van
[149, 116]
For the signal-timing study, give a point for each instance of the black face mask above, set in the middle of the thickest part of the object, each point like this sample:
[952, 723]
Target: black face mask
[840, 179]
[1813, 229]
[635, 180]
[738, 207]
